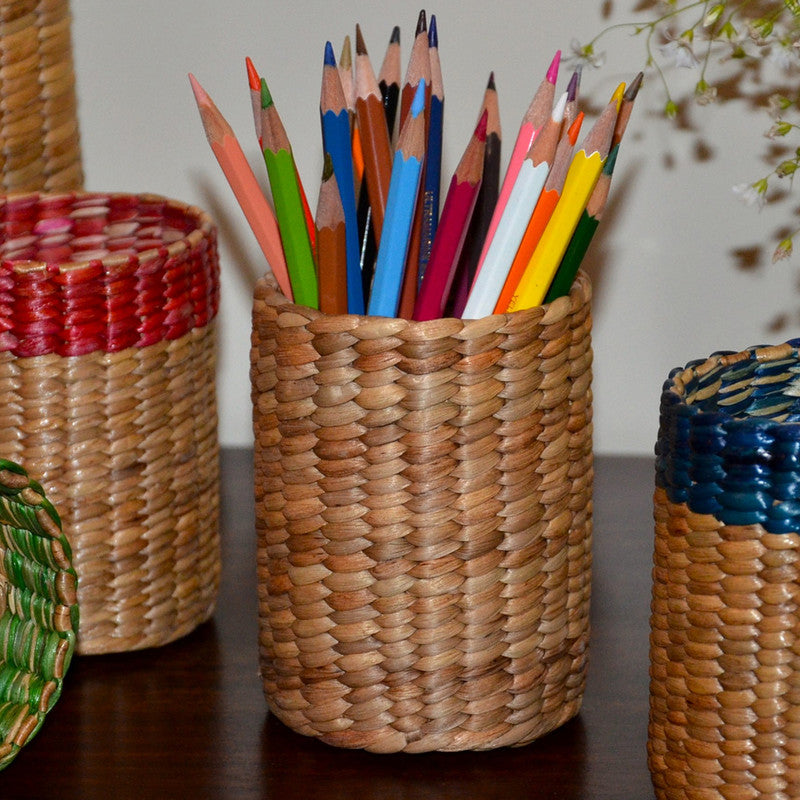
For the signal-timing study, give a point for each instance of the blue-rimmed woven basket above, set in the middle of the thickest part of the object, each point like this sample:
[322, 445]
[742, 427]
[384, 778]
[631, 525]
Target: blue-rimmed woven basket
[38, 608]
[725, 627]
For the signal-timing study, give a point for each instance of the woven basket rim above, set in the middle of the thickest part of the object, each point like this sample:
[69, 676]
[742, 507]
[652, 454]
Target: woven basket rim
[204, 226]
[580, 293]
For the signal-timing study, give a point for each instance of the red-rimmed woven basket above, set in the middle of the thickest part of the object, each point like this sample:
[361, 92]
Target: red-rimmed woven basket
[107, 377]
[423, 508]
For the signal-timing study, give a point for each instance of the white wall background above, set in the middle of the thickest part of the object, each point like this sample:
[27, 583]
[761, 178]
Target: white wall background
[670, 281]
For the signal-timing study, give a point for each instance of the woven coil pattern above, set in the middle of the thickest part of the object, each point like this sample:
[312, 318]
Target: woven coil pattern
[725, 624]
[39, 139]
[423, 506]
[38, 608]
[107, 374]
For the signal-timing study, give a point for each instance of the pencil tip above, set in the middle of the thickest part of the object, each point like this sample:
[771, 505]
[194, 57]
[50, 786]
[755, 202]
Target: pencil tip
[422, 24]
[572, 86]
[491, 84]
[633, 89]
[266, 97]
[433, 33]
[395, 37]
[552, 71]
[199, 93]
[361, 48]
[327, 167]
[575, 128]
[346, 58]
[608, 167]
[418, 104]
[618, 93]
[560, 107]
[330, 58]
[252, 74]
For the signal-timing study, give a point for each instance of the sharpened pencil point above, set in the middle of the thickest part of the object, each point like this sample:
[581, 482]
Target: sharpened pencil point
[346, 58]
[433, 33]
[266, 96]
[618, 93]
[327, 167]
[395, 37]
[252, 75]
[330, 58]
[560, 107]
[552, 71]
[418, 105]
[490, 84]
[633, 89]
[608, 167]
[575, 128]
[199, 92]
[422, 24]
[573, 85]
[361, 48]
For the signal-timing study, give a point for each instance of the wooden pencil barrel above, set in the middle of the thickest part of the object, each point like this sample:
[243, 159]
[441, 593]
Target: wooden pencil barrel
[107, 374]
[39, 137]
[423, 510]
[725, 628]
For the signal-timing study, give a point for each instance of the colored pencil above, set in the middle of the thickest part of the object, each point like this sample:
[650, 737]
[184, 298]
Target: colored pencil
[542, 212]
[585, 230]
[625, 109]
[433, 152]
[332, 238]
[292, 225]
[254, 82]
[571, 110]
[484, 207]
[389, 80]
[418, 71]
[583, 174]
[337, 142]
[525, 193]
[535, 118]
[403, 190]
[377, 148]
[456, 214]
[245, 186]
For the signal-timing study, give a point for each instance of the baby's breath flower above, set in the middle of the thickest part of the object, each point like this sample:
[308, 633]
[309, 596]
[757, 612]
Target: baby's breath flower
[780, 128]
[584, 55]
[752, 194]
[783, 250]
[704, 93]
[679, 53]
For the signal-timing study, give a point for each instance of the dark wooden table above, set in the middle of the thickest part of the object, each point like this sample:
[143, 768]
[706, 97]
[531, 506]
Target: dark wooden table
[189, 720]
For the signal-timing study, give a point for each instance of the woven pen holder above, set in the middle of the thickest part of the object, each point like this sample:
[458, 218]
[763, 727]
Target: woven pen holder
[725, 628]
[107, 375]
[38, 610]
[39, 142]
[423, 506]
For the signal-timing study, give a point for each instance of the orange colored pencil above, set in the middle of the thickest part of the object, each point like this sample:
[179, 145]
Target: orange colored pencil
[332, 244]
[246, 188]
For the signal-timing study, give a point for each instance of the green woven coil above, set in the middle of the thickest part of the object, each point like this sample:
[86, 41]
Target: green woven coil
[38, 608]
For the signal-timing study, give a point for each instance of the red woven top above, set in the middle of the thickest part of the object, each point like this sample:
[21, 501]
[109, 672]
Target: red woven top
[81, 272]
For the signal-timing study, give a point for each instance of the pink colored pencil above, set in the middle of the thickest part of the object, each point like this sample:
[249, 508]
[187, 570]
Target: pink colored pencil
[535, 117]
[452, 230]
[246, 188]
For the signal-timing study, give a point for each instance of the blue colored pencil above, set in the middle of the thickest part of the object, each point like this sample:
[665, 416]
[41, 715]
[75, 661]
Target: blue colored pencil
[337, 142]
[403, 191]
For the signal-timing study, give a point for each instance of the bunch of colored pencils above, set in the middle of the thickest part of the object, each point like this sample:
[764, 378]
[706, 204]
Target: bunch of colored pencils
[379, 243]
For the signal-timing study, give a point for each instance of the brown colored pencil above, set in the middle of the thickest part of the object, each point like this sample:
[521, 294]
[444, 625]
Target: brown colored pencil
[375, 144]
[331, 244]
[625, 109]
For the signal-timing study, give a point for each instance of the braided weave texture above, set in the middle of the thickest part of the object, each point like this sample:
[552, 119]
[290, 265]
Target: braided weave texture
[107, 375]
[725, 622]
[423, 506]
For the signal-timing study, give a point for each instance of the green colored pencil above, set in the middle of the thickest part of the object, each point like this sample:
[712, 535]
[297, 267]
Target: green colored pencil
[581, 238]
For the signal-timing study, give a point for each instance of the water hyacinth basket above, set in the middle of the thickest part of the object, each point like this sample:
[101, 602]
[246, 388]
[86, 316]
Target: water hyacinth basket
[423, 509]
[725, 625]
[39, 140]
[38, 609]
[107, 379]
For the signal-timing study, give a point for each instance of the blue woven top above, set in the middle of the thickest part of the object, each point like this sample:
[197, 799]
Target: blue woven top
[729, 439]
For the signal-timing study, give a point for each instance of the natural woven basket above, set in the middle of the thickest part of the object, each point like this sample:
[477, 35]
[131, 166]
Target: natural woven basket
[38, 610]
[107, 376]
[725, 636]
[39, 142]
[423, 505]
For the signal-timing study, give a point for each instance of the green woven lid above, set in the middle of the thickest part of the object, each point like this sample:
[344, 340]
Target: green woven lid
[38, 606]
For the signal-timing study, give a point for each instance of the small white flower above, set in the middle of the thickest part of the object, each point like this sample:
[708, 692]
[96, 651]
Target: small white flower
[584, 55]
[749, 194]
[782, 56]
[679, 53]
